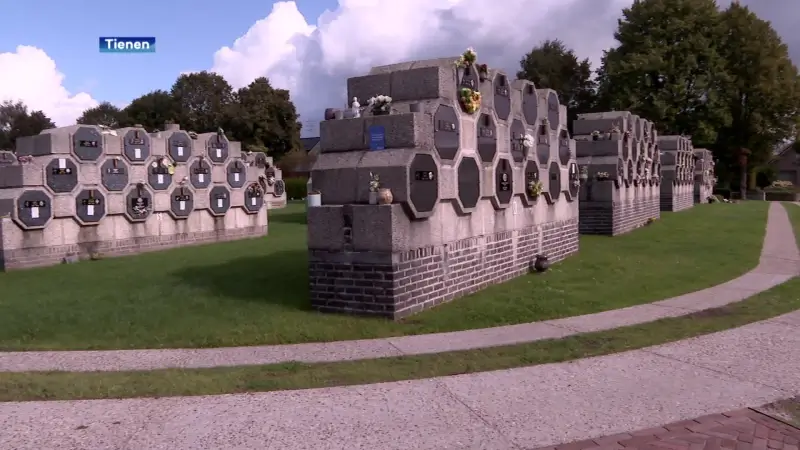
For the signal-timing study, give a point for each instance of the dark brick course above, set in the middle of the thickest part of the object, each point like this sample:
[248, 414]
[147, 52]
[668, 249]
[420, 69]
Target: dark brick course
[676, 198]
[401, 284]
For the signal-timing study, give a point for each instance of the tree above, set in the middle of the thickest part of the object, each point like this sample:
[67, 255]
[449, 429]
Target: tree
[667, 67]
[153, 110]
[266, 117]
[203, 101]
[104, 114]
[552, 65]
[16, 122]
[762, 92]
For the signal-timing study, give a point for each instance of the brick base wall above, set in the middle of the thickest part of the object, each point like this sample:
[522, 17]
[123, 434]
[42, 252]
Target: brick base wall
[615, 218]
[48, 256]
[399, 285]
[677, 201]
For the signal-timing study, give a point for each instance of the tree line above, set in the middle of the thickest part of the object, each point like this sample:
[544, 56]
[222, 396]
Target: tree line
[721, 76]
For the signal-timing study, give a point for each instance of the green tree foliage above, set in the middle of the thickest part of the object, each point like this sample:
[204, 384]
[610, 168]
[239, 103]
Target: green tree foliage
[552, 65]
[153, 110]
[667, 67]
[104, 114]
[263, 116]
[204, 100]
[16, 121]
[762, 92]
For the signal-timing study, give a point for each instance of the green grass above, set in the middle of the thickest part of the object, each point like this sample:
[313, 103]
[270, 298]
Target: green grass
[174, 382]
[794, 216]
[255, 291]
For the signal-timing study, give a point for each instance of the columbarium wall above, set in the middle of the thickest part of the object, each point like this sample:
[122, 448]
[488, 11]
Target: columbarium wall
[677, 166]
[704, 179]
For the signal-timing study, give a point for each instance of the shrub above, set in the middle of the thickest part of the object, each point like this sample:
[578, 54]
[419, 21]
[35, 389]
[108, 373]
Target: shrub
[296, 187]
[725, 193]
[780, 185]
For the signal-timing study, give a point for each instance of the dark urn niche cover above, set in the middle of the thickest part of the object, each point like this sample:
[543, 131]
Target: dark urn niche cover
[530, 105]
[424, 185]
[181, 202]
[34, 209]
[554, 187]
[631, 173]
[114, 174]
[517, 137]
[469, 182]
[90, 206]
[504, 178]
[502, 97]
[218, 148]
[542, 144]
[159, 174]
[219, 200]
[253, 198]
[446, 132]
[180, 146]
[236, 173]
[200, 173]
[552, 111]
[61, 175]
[279, 188]
[87, 144]
[136, 146]
[138, 203]
[564, 152]
[574, 182]
[531, 177]
[487, 138]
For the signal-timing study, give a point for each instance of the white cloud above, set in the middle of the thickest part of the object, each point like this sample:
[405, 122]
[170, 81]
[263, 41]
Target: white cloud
[31, 76]
[313, 61]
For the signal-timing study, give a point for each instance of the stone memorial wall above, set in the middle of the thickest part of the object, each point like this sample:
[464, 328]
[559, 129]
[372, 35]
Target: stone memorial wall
[618, 159]
[677, 172]
[456, 180]
[84, 192]
[704, 179]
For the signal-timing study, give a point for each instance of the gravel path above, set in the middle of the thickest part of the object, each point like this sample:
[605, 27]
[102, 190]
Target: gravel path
[512, 409]
[780, 261]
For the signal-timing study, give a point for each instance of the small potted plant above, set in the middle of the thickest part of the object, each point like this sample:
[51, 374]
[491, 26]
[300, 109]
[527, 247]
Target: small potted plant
[595, 135]
[584, 174]
[541, 263]
[614, 132]
[374, 186]
[527, 141]
[535, 188]
[380, 105]
[602, 176]
[468, 58]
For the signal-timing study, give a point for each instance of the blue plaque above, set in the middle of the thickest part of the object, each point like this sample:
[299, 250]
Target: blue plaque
[377, 137]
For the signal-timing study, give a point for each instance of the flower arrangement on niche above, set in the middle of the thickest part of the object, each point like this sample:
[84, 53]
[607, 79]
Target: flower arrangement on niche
[527, 141]
[602, 176]
[596, 135]
[584, 173]
[535, 188]
[615, 130]
[380, 105]
[469, 97]
[374, 182]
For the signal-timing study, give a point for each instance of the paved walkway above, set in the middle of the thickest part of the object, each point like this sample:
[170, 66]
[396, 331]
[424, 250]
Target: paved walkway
[779, 262]
[521, 408]
[743, 429]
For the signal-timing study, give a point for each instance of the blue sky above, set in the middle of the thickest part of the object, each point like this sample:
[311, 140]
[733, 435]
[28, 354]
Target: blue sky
[187, 32]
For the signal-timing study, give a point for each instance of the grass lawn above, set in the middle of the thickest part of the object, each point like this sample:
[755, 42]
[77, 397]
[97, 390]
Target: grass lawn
[173, 382]
[255, 291]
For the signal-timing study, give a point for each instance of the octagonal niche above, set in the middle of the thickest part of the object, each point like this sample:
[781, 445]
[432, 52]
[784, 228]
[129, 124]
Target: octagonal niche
[530, 104]
[542, 144]
[502, 97]
[423, 180]
[159, 173]
[552, 111]
[554, 182]
[179, 146]
[200, 173]
[487, 138]
[620, 171]
[236, 173]
[261, 161]
[87, 144]
[531, 176]
[114, 174]
[90, 206]
[630, 172]
[217, 149]
[219, 200]
[136, 146]
[34, 209]
[446, 132]
[138, 203]
[504, 184]
[469, 184]
[564, 152]
[181, 202]
[279, 188]
[61, 175]
[517, 136]
[574, 182]
[253, 198]
[639, 171]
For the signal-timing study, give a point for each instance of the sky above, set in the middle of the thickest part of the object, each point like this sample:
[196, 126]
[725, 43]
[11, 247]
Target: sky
[49, 56]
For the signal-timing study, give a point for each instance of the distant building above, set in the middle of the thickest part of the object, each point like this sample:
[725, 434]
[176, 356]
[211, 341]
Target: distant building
[786, 163]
